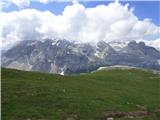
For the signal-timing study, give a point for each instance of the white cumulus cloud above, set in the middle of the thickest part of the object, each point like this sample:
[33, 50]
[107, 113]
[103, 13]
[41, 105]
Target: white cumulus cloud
[18, 3]
[44, 1]
[112, 22]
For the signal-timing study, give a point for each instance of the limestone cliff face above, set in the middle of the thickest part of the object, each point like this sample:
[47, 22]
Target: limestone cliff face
[64, 57]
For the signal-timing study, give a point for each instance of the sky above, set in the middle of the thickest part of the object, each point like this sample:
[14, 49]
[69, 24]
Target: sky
[143, 9]
[83, 21]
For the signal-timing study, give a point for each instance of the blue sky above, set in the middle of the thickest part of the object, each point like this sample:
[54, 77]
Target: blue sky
[143, 9]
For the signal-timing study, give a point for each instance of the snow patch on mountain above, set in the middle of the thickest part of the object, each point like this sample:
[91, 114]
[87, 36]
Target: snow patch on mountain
[158, 61]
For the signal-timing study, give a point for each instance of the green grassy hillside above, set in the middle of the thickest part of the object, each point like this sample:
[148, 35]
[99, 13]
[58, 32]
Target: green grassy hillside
[93, 96]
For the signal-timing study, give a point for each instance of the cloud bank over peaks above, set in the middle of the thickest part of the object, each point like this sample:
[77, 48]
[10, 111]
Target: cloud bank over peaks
[112, 22]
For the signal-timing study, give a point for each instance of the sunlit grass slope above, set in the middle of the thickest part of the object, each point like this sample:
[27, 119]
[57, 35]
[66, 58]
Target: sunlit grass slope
[41, 96]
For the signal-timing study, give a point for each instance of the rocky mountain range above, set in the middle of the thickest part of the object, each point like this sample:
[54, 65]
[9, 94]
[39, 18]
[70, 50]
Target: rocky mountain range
[65, 57]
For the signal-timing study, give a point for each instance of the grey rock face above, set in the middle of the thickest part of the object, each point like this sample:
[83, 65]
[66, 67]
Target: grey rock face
[64, 57]
[139, 55]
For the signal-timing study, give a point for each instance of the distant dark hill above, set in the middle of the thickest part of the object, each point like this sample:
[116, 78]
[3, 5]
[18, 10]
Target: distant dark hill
[64, 57]
[122, 94]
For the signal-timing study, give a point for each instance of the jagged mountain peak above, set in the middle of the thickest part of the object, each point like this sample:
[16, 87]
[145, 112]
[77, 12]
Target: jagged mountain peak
[134, 44]
[63, 56]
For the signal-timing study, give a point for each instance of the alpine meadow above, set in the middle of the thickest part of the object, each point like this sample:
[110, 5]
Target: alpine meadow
[80, 59]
